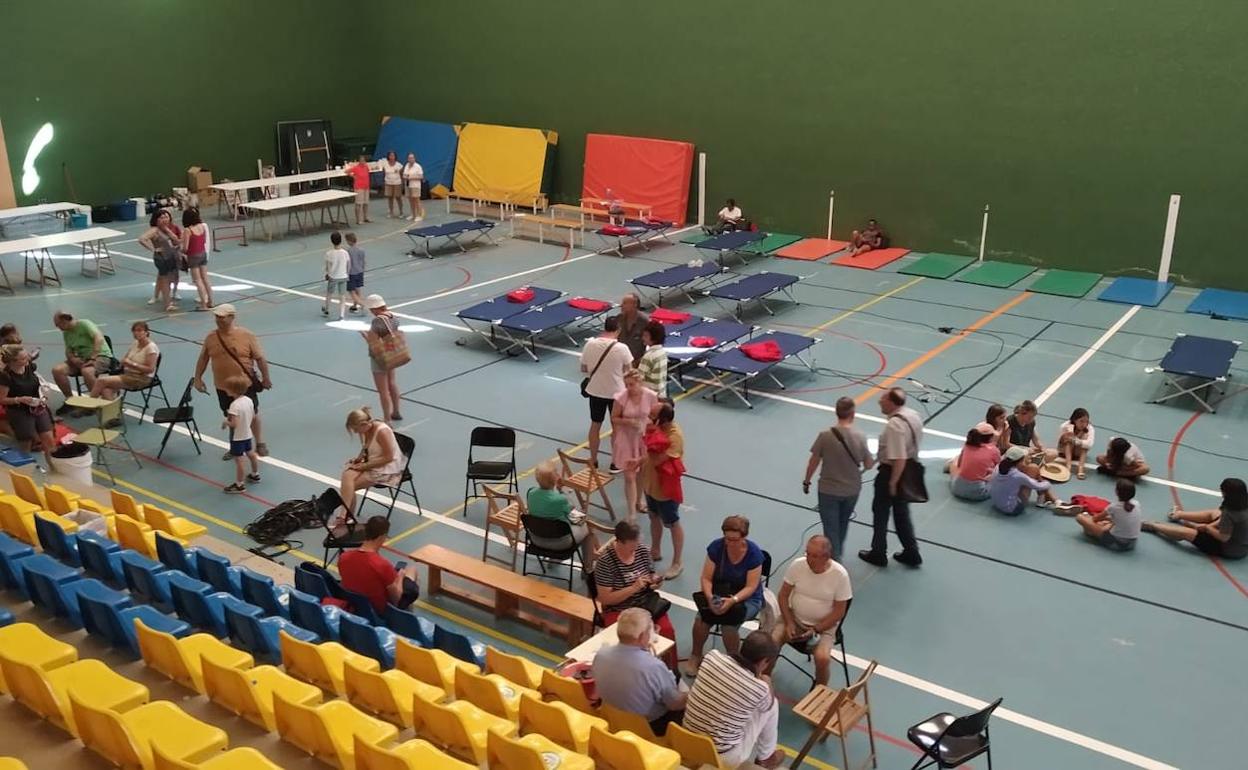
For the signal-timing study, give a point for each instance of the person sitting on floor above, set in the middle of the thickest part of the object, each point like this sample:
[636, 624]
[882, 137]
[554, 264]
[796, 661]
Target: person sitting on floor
[1011, 488]
[973, 468]
[546, 502]
[365, 571]
[1075, 438]
[869, 238]
[1122, 459]
[813, 602]
[732, 702]
[629, 677]
[1221, 532]
[996, 417]
[1118, 526]
[1022, 429]
[732, 588]
[728, 219]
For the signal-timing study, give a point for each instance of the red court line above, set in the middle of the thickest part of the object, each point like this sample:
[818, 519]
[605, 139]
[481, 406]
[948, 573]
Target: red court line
[204, 479]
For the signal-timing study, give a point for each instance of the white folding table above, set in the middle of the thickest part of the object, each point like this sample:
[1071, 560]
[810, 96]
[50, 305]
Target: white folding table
[269, 185]
[37, 250]
[60, 211]
[299, 209]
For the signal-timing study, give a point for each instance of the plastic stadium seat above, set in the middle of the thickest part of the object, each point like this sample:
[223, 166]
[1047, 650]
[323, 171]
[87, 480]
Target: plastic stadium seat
[259, 635]
[234, 759]
[27, 643]
[12, 552]
[217, 572]
[458, 728]
[197, 604]
[126, 738]
[695, 749]
[249, 693]
[108, 614]
[55, 541]
[491, 693]
[329, 731]
[532, 752]
[174, 555]
[125, 505]
[416, 754]
[11, 763]
[428, 665]
[409, 624]
[459, 646]
[307, 612]
[135, 535]
[320, 664]
[376, 642]
[386, 695]
[360, 605]
[6, 618]
[625, 751]
[26, 488]
[61, 501]
[620, 720]
[312, 578]
[559, 722]
[162, 521]
[17, 517]
[47, 584]
[101, 557]
[523, 672]
[261, 591]
[181, 659]
[47, 692]
[147, 580]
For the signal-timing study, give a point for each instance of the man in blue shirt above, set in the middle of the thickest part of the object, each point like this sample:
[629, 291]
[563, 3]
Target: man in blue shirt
[629, 677]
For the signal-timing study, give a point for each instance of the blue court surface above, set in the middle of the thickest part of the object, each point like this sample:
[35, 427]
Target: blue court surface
[1105, 660]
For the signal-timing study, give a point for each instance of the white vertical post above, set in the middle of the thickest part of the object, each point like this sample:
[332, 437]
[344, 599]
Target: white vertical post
[701, 189]
[259, 168]
[831, 206]
[983, 234]
[1167, 244]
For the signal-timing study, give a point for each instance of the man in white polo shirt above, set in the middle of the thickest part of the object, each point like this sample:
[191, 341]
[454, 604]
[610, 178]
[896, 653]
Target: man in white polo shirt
[604, 360]
[813, 602]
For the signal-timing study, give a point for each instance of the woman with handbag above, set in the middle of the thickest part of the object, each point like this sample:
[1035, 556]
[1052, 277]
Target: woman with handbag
[26, 410]
[625, 577]
[387, 351]
[732, 588]
[380, 462]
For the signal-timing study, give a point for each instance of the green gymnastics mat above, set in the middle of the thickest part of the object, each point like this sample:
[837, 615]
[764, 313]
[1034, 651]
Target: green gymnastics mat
[773, 242]
[937, 265]
[1065, 283]
[997, 274]
[697, 237]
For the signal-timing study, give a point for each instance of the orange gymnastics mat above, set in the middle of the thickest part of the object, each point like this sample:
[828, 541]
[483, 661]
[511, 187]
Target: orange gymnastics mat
[872, 260]
[810, 249]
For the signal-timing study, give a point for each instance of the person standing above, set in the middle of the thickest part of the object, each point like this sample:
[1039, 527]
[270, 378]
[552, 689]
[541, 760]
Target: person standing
[630, 415]
[385, 380]
[899, 442]
[337, 262]
[413, 179]
[87, 354]
[841, 455]
[360, 180]
[195, 252]
[238, 418]
[233, 351]
[163, 238]
[632, 324]
[604, 360]
[355, 272]
[392, 171]
[653, 363]
[660, 479]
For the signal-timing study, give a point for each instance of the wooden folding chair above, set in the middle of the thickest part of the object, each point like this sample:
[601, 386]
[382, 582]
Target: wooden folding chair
[836, 712]
[585, 482]
[503, 511]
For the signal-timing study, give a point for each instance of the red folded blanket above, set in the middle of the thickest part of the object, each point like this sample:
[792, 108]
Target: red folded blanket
[665, 316]
[614, 230]
[592, 305]
[520, 295]
[703, 342]
[767, 351]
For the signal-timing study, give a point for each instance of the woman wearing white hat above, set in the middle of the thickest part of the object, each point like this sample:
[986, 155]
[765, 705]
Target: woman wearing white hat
[384, 377]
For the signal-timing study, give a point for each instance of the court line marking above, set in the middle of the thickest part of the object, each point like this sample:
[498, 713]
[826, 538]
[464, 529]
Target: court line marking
[863, 306]
[1054, 386]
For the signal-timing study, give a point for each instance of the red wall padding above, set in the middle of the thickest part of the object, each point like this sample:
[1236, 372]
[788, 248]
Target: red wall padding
[653, 171]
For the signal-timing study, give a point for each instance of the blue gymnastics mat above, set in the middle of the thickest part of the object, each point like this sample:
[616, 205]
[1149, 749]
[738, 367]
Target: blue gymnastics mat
[1136, 291]
[1220, 302]
[435, 145]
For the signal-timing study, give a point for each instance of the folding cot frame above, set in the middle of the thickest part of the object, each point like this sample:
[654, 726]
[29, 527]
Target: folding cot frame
[680, 358]
[734, 242]
[522, 330]
[732, 370]
[489, 314]
[640, 231]
[452, 232]
[698, 278]
[766, 283]
[1194, 366]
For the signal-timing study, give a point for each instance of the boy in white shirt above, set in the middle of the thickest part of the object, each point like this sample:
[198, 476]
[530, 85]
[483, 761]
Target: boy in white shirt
[238, 419]
[336, 261]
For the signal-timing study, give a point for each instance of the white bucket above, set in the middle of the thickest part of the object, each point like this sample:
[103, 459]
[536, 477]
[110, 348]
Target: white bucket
[76, 468]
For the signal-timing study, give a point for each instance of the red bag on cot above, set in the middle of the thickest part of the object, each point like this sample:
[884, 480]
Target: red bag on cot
[1090, 503]
[614, 230]
[767, 351]
[665, 316]
[520, 295]
[703, 342]
[592, 305]
[331, 601]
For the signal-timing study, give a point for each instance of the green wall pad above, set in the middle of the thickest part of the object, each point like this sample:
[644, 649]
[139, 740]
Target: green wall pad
[697, 237]
[772, 242]
[1065, 283]
[937, 265]
[997, 274]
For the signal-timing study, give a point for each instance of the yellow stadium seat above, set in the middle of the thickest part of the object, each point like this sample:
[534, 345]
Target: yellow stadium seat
[159, 518]
[523, 672]
[61, 501]
[10, 763]
[415, 754]
[433, 667]
[17, 517]
[234, 759]
[135, 535]
[387, 695]
[125, 505]
[27, 643]
[87, 504]
[532, 752]
[695, 749]
[180, 659]
[566, 690]
[321, 664]
[329, 731]
[557, 721]
[458, 728]
[26, 488]
[620, 720]
[491, 692]
[46, 692]
[126, 738]
[249, 693]
[625, 751]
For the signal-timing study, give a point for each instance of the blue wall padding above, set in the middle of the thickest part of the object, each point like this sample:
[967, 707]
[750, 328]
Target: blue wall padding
[435, 145]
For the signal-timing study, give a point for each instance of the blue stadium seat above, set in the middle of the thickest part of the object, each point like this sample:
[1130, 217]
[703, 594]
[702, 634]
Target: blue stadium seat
[360, 605]
[6, 617]
[147, 580]
[47, 584]
[56, 543]
[216, 571]
[377, 642]
[311, 578]
[261, 591]
[259, 635]
[101, 558]
[459, 646]
[94, 601]
[12, 552]
[197, 604]
[308, 613]
[174, 555]
[411, 625]
[108, 614]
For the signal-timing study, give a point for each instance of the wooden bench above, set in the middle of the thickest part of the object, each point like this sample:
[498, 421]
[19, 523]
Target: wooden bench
[487, 200]
[502, 592]
[636, 210]
[538, 224]
[587, 214]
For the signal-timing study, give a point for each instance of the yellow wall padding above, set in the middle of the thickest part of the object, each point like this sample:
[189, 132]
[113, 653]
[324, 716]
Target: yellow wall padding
[500, 162]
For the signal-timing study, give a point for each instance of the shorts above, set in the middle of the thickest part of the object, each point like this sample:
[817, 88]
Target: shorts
[1207, 543]
[413, 189]
[101, 365]
[27, 425]
[394, 190]
[196, 260]
[967, 489]
[240, 448]
[735, 616]
[355, 281]
[224, 399]
[336, 286]
[135, 381]
[598, 408]
[1115, 543]
[361, 197]
[668, 511]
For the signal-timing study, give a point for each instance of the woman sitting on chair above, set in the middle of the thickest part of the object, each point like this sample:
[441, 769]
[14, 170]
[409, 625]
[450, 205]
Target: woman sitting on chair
[625, 577]
[732, 588]
[546, 502]
[379, 463]
[137, 367]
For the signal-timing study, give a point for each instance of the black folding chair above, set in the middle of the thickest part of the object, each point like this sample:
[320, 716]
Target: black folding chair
[807, 648]
[408, 447]
[591, 587]
[114, 367]
[948, 741]
[182, 414]
[549, 531]
[337, 542]
[490, 471]
[148, 391]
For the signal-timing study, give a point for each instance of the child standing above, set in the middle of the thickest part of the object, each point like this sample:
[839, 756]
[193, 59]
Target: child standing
[1118, 526]
[359, 182]
[238, 419]
[355, 272]
[337, 260]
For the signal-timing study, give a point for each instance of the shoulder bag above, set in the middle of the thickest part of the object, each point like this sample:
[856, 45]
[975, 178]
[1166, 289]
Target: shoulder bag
[389, 352]
[601, 358]
[256, 383]
[912, 488]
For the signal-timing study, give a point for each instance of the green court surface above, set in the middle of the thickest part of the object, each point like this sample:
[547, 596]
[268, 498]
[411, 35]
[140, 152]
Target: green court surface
[772, 242]
[697, 236]
[1065, 283]
[997, 274]
[937, 265]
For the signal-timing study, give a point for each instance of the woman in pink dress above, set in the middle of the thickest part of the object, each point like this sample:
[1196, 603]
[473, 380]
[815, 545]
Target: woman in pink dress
[629, 416]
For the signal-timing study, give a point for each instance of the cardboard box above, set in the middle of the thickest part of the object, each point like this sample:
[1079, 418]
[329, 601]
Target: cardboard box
[198, 178]
[207, 197]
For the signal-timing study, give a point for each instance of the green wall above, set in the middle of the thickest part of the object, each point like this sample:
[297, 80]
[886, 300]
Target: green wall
[1074, 119]
[138, 90]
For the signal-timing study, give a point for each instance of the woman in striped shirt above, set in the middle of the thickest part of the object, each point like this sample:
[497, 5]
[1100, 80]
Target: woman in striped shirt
[625, 577]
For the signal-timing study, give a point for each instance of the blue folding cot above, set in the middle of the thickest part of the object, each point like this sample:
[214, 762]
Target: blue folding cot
[682, 355]
[732, 370]
[483, 318]
[1194, 366]
[632, 232]
[452, 232]
[754, 288]
[694, 278]
[731, 243]
[522, 330]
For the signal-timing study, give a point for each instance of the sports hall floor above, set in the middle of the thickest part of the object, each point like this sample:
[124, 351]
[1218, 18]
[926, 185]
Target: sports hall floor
[1104, 660]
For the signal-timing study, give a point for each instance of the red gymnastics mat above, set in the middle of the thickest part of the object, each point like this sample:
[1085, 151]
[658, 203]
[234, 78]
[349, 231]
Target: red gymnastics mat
[810, 249]
[872, 260]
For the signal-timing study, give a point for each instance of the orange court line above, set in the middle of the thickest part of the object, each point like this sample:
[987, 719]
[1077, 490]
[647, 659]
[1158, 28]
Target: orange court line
[889, 381]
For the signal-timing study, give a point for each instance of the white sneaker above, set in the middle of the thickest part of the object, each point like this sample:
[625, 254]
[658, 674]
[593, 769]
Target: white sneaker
[674, 571]
[152, 301]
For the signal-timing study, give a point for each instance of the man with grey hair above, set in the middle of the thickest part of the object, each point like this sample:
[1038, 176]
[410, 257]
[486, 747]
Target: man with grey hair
[629, 677]
[813, 602]
[632, 324]
[899, 443]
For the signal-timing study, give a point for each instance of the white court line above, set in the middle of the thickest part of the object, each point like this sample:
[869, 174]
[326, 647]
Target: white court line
[1087, 355]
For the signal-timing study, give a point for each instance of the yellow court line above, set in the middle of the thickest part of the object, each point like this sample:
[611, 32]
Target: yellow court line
[863, 306]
